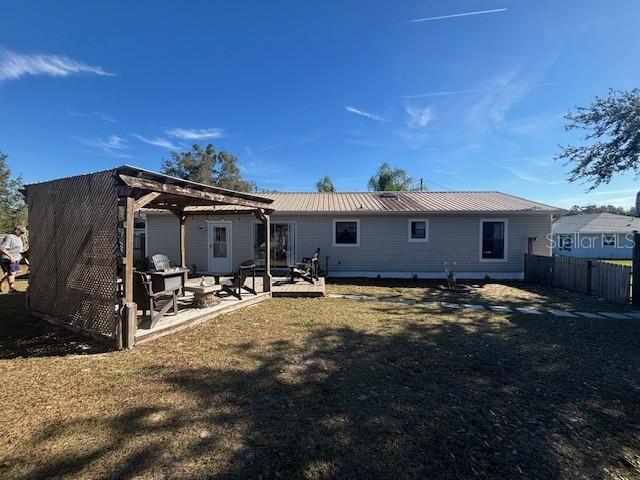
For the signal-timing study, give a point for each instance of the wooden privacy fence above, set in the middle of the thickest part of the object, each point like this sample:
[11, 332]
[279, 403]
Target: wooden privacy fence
[593, 277]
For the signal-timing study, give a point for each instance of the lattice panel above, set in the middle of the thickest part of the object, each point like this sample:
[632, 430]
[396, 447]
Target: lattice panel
[73, 242]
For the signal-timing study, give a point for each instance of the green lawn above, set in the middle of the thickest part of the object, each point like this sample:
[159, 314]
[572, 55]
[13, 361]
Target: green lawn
[625, 263]
[329, 388]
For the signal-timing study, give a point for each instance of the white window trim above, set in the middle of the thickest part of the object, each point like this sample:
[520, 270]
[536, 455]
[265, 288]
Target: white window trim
[615, 240]
[506, 241]
[333, 232]
[426, 230]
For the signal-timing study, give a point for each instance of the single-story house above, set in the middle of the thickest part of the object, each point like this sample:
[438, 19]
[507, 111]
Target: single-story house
[595, 235]
[367, 234]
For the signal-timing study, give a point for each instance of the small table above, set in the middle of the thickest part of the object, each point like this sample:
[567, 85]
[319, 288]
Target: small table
[167, 279]
[204, 296]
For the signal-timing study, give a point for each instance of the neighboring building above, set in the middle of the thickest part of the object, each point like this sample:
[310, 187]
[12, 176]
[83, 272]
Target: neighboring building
[387, 234]
[595, 235]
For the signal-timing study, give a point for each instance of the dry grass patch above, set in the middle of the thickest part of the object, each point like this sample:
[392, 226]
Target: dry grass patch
[323, 388]
[517, 294]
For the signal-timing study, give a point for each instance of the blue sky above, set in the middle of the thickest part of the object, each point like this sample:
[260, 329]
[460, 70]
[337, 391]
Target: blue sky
[300, 90]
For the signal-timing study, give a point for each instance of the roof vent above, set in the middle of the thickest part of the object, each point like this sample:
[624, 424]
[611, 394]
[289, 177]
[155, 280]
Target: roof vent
[393, 195]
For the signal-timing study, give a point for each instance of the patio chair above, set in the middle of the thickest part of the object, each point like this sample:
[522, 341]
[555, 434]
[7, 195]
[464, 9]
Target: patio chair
[307, 269]
[236, 285]
[147, 298]
[161, 262]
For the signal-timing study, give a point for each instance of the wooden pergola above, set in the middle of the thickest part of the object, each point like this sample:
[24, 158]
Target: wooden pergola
[75, 246]
[150, 190]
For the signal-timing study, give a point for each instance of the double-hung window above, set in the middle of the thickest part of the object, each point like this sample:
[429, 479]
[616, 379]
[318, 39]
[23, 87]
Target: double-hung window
[346, 233]
[418, 230]
[565, 243]
[608, 239]
[493, 240]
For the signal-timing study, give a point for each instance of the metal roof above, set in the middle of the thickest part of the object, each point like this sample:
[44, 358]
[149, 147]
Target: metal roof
[161, 177]
[596, 223]
[396, 202]
[143, 173]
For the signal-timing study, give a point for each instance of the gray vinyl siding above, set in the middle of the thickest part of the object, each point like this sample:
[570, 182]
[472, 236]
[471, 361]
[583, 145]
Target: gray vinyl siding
[384, 245]
[162, 236]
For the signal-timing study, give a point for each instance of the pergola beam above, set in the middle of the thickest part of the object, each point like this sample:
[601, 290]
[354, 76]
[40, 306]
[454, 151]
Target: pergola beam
[155, 186]
[145, 199]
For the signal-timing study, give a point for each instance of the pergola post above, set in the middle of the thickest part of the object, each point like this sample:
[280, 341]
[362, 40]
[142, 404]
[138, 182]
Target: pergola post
[128, 250]
[128, 325]
[266, 279]
[183, 247]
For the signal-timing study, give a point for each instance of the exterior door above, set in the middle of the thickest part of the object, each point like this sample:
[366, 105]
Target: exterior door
[220, 247]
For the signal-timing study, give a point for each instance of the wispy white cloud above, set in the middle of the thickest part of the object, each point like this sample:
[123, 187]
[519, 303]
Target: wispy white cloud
[15, 65]
[587, 199]
[503, 92]
[415, 139]
[99, 115]
[158, 142]
[444, 93]
[104, 116]
[536, 123]
[456, 15]
[530, 177]
[195, 133]
[419, 117]
[362, 113]
[624, 197]
[113, 146]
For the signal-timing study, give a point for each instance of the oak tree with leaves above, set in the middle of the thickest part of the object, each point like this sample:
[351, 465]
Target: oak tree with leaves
[613, 138]
[208, 166]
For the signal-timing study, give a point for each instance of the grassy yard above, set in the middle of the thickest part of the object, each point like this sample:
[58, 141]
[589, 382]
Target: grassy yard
[330, 388]
[624, 263]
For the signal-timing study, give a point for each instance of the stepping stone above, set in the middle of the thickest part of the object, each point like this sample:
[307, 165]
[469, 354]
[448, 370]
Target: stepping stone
[353, 297]
[589, 315]
[390, 299]
[529, 310]
[473, 306]
[336, 295]
[430, 304]
[499, 308]
[633, 314]
[562, 313]
[450, 305]
[409, 302]
[617, 316]
[367, 298]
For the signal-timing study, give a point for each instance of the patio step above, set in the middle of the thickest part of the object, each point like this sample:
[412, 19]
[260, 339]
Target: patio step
[191, 317]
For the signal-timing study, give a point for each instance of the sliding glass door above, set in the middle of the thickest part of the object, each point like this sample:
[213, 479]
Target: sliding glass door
[283, 244]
